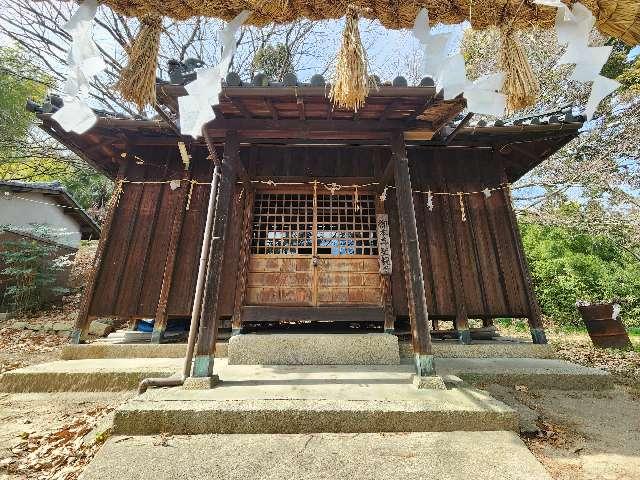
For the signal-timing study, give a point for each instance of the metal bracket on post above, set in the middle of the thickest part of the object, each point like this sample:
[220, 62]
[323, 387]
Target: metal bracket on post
[538, 336]
[76, 337]
[464, 337]
[425, 366]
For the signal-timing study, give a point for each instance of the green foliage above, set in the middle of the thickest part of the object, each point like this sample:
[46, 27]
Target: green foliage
[567, 265]
[31, 268]
[17, 84]
[274, 61]
[88, 187]
[630, 78]
[617, 62]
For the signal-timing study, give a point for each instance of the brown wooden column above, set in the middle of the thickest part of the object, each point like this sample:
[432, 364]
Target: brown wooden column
[418, 314]
[205, 348]
[160, 324]
[82, 322]
[243, 263]
[535, 314]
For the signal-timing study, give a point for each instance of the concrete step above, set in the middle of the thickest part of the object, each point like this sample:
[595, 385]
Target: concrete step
[370, 456]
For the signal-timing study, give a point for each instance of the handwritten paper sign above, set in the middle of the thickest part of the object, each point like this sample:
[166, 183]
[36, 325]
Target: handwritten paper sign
[384, 243]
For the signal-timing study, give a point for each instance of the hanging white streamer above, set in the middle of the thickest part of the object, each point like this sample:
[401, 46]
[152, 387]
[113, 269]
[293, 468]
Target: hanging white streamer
[602, 86]
[195, 108]
[84, 62]
[434, 46]
[449, 72]
[484, 97]
[573, 31]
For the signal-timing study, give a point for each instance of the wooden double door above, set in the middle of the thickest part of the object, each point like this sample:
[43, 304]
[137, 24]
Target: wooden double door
[313, 250]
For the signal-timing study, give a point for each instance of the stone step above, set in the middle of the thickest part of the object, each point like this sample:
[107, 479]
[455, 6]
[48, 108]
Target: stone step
[89, 375]
[370, 456]
[314, 349]
[292, 409]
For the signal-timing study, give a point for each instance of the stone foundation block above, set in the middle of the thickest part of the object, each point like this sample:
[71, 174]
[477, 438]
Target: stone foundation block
[314, 349]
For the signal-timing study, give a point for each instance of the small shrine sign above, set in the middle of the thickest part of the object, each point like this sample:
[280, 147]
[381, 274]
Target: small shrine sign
[384, 243]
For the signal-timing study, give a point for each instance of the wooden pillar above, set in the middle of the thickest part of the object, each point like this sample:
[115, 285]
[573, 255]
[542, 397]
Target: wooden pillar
[418, 314]
[82, 321]
[243, 263]
[205, 349]
[160, 324]
[535, 314]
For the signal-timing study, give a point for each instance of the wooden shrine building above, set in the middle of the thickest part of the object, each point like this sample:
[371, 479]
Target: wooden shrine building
[398, 211]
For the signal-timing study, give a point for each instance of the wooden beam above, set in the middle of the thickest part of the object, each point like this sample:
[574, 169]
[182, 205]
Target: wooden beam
[463, 123]
[387, 176]
[418, 313]
[301, 110]
[239, 104]
[160, 324]
[82, 321]
[312, 314]
[347, 125]
[172, 125]
[388, 109]
[306, 91]
[271, 108]
[205, 349]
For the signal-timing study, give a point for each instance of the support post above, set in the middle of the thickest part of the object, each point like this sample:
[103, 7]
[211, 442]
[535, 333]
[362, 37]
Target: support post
[205, 349]
[160, 324]
[82, 321]
[418, 314]
[535, 314]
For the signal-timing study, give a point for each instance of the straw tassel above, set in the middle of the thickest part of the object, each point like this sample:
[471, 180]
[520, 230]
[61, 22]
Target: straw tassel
[351, 83]
[137, 82]
[520, 85]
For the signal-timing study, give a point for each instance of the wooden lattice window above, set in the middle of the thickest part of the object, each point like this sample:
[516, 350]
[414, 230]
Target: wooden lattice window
[282, 224]
[346, 225]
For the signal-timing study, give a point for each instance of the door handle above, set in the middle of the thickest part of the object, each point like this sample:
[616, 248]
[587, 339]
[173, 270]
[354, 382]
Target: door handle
[315, 260]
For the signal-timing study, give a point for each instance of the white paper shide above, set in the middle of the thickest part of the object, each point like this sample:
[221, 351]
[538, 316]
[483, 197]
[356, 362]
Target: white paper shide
[84, 62]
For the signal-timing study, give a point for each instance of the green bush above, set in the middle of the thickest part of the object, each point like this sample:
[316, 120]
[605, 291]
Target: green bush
[567, 266]
[31, 268]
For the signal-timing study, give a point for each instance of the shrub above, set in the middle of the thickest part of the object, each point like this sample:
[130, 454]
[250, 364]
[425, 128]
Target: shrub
[31, 268]
[567, 266]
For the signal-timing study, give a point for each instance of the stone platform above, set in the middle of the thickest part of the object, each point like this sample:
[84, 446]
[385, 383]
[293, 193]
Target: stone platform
[370, 456]
[126, 373]
[500, 347]
[313, 349]
[130, 350]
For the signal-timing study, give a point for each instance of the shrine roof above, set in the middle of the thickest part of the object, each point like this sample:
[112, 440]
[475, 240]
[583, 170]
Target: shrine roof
[265, 112]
